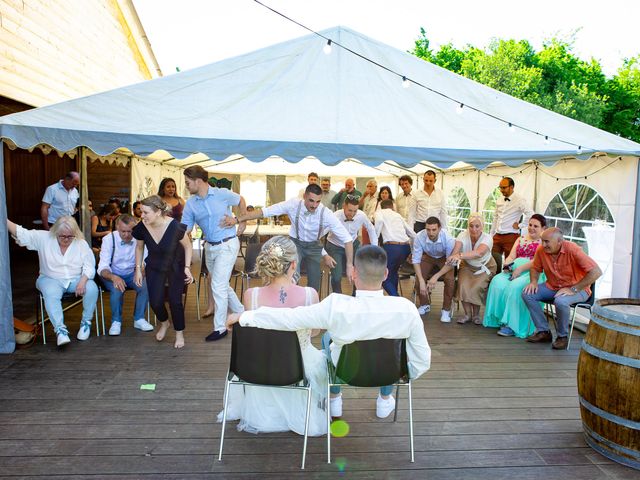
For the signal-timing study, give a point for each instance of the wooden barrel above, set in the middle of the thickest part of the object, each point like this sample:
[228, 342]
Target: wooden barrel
[609, 380]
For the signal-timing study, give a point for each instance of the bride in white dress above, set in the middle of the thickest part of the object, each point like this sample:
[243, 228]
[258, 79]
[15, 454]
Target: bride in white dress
[263, 409]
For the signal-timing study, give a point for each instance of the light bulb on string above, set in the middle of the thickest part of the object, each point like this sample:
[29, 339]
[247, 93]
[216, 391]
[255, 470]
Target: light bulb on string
[405, 82]
[579, 150]
[511, 127]
[546, 140]
[459, 109]
[327, 48]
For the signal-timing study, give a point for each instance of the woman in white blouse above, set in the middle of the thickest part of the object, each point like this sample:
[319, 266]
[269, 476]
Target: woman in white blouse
[67, 265]
[476, 267]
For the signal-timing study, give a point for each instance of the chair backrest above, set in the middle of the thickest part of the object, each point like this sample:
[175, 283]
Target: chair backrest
[251, 255]
[266, 357]
[373, 363]
[592, 297]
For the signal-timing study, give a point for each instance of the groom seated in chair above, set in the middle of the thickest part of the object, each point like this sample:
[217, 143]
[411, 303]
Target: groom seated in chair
[367, 316]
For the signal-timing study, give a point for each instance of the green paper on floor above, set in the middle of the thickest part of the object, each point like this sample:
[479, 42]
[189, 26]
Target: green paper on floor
[148, 386]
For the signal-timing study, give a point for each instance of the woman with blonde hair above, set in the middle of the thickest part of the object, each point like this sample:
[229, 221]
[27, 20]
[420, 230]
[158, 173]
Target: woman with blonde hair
[67, 265]
[262, 409]
[168, 261]
[476, 267]
[168, 192]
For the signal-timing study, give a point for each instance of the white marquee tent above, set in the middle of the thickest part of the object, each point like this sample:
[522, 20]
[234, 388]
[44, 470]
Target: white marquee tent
[293, 101]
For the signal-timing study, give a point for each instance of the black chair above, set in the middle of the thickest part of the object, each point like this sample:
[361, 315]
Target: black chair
[371, 363]
[250, 258]
[266, 358]
[588, 305]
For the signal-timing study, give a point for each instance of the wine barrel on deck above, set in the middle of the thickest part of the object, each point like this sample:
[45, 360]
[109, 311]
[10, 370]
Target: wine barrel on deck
[609, 380]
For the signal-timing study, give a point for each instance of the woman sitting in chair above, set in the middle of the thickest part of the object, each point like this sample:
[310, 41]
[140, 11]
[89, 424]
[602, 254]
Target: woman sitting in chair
[67, 265]
[261, 409]
[505, 307]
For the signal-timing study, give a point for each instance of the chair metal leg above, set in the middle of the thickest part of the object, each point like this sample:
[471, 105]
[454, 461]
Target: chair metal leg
[198, 298]
[306, 427]
[224, 415]
[411, 420]
[44, 333]
[395, 410]
[328, 422]
[573, 319]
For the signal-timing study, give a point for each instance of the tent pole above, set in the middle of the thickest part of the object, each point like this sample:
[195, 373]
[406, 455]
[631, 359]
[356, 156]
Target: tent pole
[7, 335]
[85, 219]
[477, 192]
[535, 187]
[634, 285]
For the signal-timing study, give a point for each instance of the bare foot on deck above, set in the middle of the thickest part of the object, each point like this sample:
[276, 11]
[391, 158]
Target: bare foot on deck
[179, 340]
[162, 331]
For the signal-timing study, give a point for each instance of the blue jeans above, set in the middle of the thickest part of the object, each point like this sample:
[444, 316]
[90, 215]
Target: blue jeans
[52, 290]
[339, 255]
[326, 341]
[396, 255]
[116, 297]
[562, 304]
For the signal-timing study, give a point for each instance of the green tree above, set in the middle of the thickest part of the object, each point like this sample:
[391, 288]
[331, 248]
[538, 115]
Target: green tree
[622, 114]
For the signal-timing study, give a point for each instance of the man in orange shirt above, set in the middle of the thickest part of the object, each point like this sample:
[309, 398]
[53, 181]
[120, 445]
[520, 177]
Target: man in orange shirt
[570, 273]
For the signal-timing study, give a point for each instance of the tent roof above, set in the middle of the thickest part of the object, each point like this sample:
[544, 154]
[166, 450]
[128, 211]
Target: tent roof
[293, 101]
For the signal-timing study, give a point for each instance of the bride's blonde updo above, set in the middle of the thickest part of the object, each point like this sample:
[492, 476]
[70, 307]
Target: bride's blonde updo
[275, 258]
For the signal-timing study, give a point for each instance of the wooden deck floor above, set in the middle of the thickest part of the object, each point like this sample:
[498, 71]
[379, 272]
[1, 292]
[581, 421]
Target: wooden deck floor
[489, 408]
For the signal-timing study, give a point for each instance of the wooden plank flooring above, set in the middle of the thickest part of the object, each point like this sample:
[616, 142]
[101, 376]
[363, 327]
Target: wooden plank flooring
[489, 408]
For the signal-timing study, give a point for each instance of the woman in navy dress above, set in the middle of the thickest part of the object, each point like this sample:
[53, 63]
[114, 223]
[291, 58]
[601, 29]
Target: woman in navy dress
[168, 262]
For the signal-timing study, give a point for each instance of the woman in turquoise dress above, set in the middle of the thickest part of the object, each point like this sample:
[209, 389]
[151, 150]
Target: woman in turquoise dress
[505, 308]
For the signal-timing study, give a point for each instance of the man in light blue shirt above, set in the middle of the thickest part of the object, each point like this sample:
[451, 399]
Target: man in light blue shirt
[431, 248]
[60, 199]
[207, 207]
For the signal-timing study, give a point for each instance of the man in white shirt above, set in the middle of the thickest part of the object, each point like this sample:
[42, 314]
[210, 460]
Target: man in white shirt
[312, 179]
[116, 269]
[369, 200]
[431, 248]
[353, 220]
[60, 199]
[367, 316]
[327, 193]
[396, 237]
[405, 201]
[428, 202]
[310, 221]
[507, 220]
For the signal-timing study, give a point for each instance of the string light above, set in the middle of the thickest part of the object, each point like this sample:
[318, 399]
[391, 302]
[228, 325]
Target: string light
[405, 82]
[511, 127]
[546, 139]
[579, 150]
[459, 109]
[327, 48]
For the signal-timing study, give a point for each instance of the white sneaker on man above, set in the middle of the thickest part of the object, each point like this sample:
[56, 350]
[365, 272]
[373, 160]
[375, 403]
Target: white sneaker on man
[424, 309]
[335, 406]
[114, 331]
[63, 339]
[445, 316]
[142, 324]
[384, 406]
[84, 332]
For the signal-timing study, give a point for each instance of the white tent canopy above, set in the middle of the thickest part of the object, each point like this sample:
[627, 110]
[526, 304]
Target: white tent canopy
[293, 101]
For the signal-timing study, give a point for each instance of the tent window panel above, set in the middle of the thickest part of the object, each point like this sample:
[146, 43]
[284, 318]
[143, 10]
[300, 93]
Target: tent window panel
[489, 209]
[575, 207]
[459, 210]
[276, 188]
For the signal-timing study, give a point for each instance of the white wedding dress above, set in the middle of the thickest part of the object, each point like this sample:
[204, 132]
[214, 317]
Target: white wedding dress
[264, 409]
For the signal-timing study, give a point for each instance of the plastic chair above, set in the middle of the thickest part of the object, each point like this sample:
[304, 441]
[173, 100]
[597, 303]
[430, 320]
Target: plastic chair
[588, 305]
[266, 358]
[372, 363]
[75, 302]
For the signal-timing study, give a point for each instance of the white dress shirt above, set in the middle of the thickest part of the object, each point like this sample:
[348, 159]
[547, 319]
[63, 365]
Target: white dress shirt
[61, 201]
[392, 227]
[509, 212]
[352, 226]
[442, 247]
[78, 260]
[405, 206]
[124, 256]
[308, 223]
[367, 316]
[425, 206]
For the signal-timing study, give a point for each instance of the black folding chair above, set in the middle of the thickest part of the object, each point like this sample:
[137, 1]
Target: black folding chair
[588, 305]
[371, 363]
[266, 358]
[250, 258]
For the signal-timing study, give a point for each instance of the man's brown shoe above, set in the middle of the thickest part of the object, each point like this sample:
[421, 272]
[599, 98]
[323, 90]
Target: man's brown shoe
[561, 343]
[540, 337]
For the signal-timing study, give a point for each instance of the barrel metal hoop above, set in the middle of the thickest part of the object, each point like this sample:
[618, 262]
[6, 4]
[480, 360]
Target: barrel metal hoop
[591, 436]
[612, 326]
[616, 316]
[625, 422]
[610, 357]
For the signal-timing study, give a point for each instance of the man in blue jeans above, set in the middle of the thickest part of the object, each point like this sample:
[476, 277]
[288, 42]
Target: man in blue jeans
[367, 316]
[116, 268]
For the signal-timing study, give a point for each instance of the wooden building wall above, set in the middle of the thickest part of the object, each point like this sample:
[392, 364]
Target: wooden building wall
[106, 181]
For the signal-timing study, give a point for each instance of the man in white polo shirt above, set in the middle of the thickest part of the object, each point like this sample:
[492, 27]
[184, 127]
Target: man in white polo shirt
[60, 199]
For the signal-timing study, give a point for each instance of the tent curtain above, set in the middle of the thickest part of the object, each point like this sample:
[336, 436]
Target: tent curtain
[634, 287]
[7, 335]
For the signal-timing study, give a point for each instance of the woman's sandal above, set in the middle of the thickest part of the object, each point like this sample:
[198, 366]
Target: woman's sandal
[477, 320]
[464, 319]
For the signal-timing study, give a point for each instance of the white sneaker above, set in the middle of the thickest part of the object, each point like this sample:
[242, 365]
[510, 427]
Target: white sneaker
[142, 324]
[424, 309]
[63, 339]
[84, 332]
[385, 406]
[335, 405]
[445, 316]
[115, 329]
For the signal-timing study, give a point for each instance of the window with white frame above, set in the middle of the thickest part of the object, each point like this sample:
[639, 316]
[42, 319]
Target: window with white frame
[458, 211]
[574, 207]
[489, 209]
